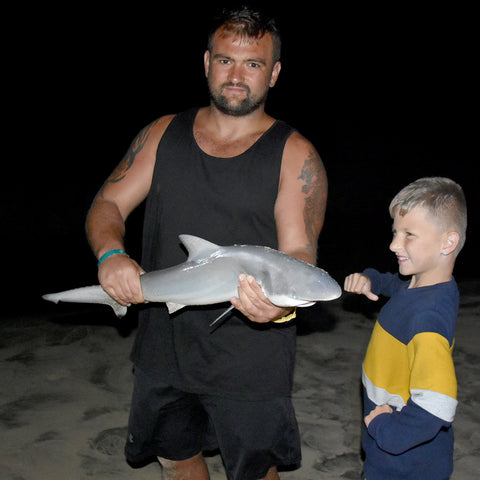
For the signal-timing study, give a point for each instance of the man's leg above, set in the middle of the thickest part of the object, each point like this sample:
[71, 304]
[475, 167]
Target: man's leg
[168, 424]
[253, 435]
[272, 474]
[193, 468]
[196, 469]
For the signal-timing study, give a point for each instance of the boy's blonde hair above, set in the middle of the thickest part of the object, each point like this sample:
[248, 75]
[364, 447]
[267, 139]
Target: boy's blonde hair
[441, 197]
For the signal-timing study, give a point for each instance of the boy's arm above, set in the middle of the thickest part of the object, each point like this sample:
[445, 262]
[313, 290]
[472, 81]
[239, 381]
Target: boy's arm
[398, 432]
[383, 283]
[372, 283]
[378, 410]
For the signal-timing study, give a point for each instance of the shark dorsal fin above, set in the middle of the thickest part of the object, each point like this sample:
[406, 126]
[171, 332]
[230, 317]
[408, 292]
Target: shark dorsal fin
[197, 247]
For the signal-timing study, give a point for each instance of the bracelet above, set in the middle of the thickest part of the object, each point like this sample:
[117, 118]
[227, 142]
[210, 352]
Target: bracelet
[109, 254]
[287, 318]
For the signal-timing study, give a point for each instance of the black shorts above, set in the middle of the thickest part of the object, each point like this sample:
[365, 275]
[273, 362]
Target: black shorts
[252, 436]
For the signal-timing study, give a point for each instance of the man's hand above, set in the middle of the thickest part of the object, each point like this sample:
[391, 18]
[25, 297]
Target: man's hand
[119, 276]
[253, 303]
[358, 283]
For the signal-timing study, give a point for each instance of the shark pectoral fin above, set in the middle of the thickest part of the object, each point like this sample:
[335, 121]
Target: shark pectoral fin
[216, 323]
[120, 310]
[173, 307]
[309, 304]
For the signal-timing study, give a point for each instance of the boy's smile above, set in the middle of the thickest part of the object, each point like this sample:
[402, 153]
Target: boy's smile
[420, 246]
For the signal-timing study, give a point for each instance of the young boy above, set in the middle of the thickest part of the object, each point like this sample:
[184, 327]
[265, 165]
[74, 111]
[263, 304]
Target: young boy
[408, 374]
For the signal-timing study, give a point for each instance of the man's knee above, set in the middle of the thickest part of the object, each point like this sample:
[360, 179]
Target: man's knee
[168, 467]
[193, 468]
[272, 474]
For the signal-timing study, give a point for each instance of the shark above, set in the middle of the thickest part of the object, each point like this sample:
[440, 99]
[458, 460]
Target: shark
[210, 276]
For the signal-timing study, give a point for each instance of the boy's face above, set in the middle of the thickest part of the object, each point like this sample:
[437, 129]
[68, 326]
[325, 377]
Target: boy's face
[420, 245]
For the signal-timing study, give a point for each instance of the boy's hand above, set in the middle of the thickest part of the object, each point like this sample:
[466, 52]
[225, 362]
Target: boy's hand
[358, 283]
[379, 410]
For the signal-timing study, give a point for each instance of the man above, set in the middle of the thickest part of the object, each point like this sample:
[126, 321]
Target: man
[229, 173]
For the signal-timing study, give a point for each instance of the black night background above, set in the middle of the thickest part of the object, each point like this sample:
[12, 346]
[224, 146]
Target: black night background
[386, 94]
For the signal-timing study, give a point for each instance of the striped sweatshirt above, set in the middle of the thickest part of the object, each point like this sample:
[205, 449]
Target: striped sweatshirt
[409, 366]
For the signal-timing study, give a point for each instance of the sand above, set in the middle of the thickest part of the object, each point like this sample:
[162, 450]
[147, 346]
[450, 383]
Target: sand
[66, 387]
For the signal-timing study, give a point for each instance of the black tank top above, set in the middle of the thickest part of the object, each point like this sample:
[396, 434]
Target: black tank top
[226, 201]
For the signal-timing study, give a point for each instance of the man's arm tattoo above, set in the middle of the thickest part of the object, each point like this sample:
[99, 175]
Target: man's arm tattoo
[128, 160]
[314, 189]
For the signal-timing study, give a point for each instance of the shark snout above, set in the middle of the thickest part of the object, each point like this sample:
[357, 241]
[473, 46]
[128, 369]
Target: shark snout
[326, 289]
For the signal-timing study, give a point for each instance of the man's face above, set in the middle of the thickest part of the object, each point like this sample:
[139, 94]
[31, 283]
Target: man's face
[240, 72]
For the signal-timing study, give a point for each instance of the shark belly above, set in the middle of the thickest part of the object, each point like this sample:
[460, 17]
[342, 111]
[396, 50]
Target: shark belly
[192, 284]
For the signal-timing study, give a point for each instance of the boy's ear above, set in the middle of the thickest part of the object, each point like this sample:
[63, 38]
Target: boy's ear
[451, 242]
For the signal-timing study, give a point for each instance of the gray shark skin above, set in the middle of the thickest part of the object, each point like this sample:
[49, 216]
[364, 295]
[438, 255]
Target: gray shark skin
[210, 275]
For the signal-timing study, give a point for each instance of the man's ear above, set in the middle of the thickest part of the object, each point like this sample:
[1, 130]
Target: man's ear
[206, 62]
[275, 73]
[452, 240]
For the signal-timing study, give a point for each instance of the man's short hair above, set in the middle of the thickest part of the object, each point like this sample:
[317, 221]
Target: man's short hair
[247, 23]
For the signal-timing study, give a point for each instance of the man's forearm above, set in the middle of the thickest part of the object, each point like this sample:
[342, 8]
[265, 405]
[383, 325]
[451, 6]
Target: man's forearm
[105, 227]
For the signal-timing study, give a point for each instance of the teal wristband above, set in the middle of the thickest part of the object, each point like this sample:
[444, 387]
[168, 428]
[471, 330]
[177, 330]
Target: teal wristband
[109, 254]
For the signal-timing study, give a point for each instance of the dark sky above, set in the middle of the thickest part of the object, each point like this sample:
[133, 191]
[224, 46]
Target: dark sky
[384, 94]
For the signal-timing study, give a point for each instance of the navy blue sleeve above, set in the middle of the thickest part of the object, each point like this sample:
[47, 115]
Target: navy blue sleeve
[383, 283]
[400, 431]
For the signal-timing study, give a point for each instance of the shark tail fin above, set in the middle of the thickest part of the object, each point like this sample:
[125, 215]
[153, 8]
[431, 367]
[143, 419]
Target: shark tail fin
[93, 294]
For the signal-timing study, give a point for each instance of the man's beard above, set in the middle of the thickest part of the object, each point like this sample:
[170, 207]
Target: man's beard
[246, 106]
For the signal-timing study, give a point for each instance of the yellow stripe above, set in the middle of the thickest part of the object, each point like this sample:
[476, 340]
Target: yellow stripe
[432, 364]
[386, 363]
